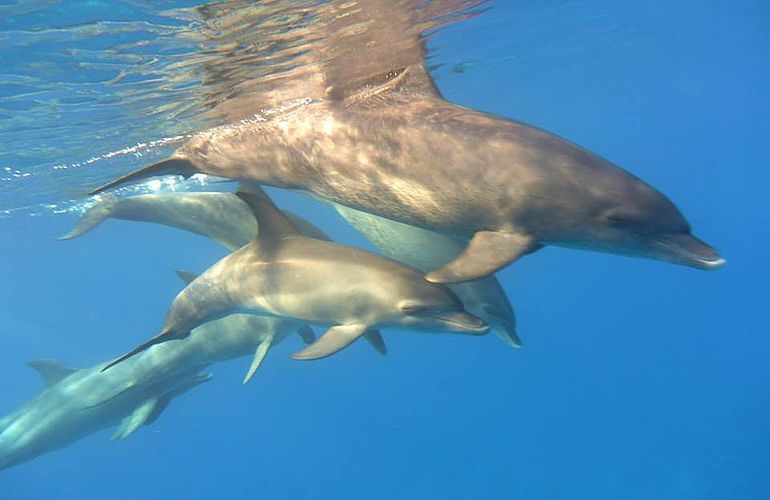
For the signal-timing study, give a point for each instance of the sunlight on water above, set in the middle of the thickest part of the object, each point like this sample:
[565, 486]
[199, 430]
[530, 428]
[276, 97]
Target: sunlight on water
[134, 79]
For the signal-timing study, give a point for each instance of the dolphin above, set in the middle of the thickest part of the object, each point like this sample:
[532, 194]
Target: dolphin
[287, 275]
[356, 119]
[76, 403]
[225, 218]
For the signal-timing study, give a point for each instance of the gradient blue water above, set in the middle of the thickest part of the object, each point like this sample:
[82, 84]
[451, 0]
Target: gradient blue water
[639, 380]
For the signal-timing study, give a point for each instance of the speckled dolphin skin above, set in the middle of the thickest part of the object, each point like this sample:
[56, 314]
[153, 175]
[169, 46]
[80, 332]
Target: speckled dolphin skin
[362, 124]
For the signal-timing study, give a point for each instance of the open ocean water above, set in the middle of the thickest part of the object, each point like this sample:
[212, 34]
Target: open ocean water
[637, 380]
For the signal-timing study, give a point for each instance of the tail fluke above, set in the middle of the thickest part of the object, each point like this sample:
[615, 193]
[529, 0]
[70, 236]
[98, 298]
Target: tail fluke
[158, 339]
[172, 166]
[92, 217]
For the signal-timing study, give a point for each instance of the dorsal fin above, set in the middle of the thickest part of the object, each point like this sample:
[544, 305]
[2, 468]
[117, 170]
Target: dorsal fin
[186, 276]
[51, 371]
[272, 222]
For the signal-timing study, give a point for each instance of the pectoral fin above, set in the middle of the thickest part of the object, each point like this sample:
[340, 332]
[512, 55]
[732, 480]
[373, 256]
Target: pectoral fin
[163, 401]
[487, 252]
[136, 419]
[259, 355]
[334, 339]
[374, 337]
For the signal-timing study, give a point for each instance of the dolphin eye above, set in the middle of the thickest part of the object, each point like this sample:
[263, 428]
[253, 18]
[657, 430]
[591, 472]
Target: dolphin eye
[411, 308]
[623, 221]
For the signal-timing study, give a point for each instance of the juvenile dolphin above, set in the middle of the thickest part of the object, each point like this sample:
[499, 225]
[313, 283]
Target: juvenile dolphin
[285, 274]
[76, 403]
[357, 120]
[228, 219]
[224, 217]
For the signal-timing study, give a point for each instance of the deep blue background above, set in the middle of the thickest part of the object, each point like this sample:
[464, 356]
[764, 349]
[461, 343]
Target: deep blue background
[639, 379]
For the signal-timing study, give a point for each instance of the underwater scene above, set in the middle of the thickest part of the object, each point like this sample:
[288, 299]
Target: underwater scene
[364, 249]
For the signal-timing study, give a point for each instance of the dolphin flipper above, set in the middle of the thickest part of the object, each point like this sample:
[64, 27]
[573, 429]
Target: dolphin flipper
[171, 166]
[136, 419]
[259, 355]
[487, 252]
[374, 337]
[334, 339]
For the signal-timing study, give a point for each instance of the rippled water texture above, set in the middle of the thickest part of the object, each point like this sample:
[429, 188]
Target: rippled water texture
[120, 84]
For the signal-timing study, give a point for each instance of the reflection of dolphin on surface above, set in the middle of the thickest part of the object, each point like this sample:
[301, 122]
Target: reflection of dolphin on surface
[356, 119]
[285, 274]
[228, 220]
[76, 403]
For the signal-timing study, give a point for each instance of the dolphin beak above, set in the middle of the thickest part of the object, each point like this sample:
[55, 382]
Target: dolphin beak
[463, 322]
[690, 251]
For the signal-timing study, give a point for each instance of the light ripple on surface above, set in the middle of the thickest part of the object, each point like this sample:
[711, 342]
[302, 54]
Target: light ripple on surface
[121, 84]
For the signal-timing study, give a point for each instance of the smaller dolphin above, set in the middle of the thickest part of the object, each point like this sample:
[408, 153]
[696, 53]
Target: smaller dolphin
[79, 402]
[225, 218]
[285, 274]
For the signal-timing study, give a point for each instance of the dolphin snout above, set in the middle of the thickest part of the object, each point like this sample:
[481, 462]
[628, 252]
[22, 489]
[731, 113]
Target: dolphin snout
[691, 251]
[463, 322]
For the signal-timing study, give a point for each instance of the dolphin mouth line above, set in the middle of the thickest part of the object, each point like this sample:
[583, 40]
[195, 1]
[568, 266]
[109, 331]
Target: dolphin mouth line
[481, 327]
[699, 261]
[711, 264]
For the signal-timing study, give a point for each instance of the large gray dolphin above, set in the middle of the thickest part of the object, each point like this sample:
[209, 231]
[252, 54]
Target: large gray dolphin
[228, 220]
[76, 403]
[356, 119]
[285, 274]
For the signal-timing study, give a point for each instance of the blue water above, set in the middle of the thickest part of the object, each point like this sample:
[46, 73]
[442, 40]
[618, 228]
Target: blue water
[638, 379]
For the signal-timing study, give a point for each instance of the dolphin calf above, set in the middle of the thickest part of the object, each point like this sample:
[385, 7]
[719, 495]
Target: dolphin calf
[285, 274]
[76, 403]
[357, 120]
[225, 218]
